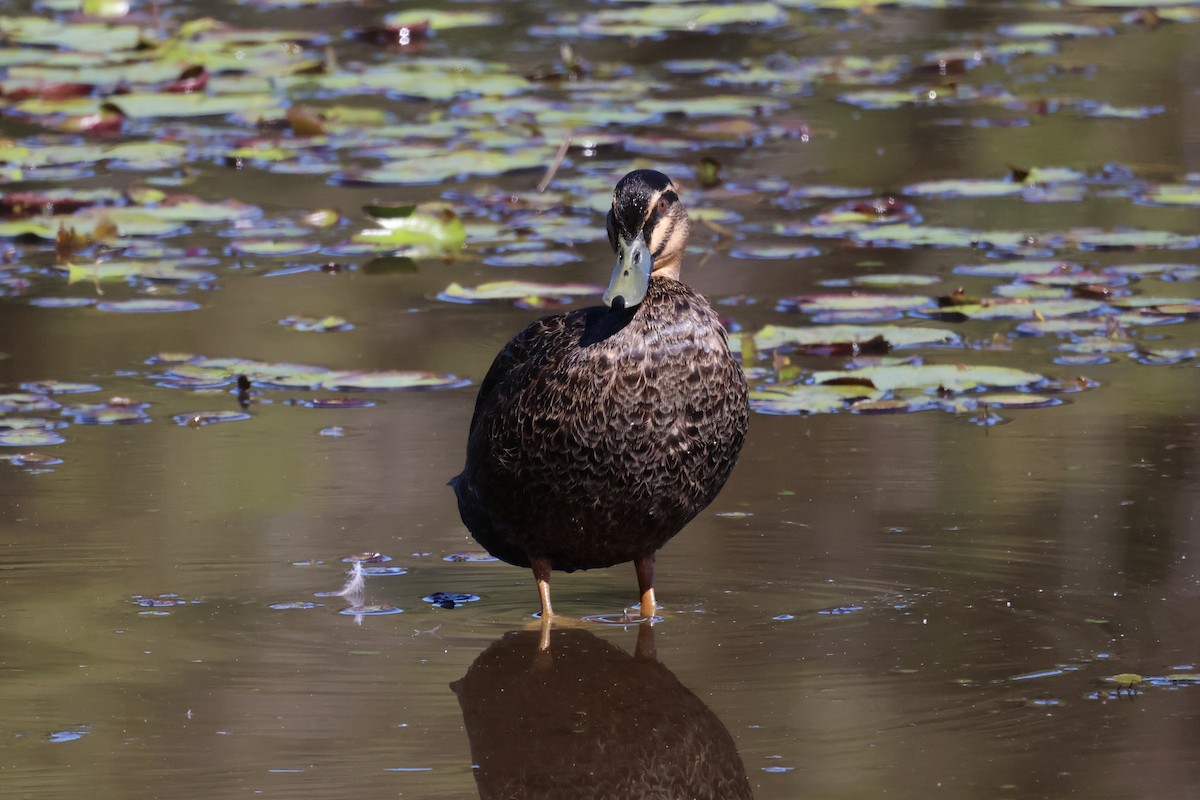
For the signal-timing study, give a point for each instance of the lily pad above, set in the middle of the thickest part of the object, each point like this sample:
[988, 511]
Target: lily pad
[1093, 239]
[815, 303]
[809, 399]
[1018, 269]
[773, 337]
[199, 419]
[306, 324]
[390, 380]
[943, 377]
[147, 305]
[518, 290]
[58, 387]
[657, 19]
[1018, 309]
[29, 437]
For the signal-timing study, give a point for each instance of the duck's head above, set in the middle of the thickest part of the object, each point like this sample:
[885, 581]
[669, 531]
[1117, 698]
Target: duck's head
[648, 230]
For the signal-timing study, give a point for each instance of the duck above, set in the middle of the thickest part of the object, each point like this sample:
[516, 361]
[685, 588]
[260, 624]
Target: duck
[599, 433]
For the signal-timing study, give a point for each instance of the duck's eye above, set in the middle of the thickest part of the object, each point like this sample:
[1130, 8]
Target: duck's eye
[662, 205]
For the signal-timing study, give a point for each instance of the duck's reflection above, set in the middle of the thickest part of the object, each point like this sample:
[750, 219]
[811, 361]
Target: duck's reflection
[588, 720]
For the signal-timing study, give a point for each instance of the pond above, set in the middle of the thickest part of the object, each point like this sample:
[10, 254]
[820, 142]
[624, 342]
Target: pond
[957, 245]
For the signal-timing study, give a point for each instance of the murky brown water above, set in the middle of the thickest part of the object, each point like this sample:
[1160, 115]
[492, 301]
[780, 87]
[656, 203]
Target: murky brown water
[902, 606]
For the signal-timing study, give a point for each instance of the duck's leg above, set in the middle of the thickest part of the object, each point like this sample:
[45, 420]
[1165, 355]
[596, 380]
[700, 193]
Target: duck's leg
[541, 572]
[645, 576]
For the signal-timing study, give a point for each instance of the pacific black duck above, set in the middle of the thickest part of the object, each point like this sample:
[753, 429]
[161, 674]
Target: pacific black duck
[599, 433]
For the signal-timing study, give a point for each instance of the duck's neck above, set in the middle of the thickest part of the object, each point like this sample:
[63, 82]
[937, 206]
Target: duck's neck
[668, 266]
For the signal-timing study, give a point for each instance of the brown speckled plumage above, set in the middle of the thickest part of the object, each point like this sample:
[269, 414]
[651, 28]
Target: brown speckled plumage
[591, 722]
[598, 434]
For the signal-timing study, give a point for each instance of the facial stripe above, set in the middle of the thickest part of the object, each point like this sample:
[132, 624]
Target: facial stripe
[656, 249]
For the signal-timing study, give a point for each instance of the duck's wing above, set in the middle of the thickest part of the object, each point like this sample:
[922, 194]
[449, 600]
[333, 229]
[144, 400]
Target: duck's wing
[547, 335]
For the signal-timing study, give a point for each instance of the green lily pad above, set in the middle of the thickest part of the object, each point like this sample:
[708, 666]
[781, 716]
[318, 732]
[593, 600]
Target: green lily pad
[1093, 239]
[390, 380]
[809, 399]
[907, 235]
[158, 271]
[199, 419]
[815, 303]
[1131, 3]
[147, 305]
[190, 209]
[440, 20]
[1051, 30]
[714, 105]
[306, 324]
[884, 280]
[1020, 309]
[1018, 269]
[431, 224]
[1110, 111]
[533, 258]
[58, 387]
[657, 18]
[867, 6]
[965, 187]
[517, 290]
[430, 79]
[26, 402]
[1018, 400]
[773, 337]
[91, 37]
[944, 377]
[272, 247]
[29, 437]
[1172, 194]
[772, 252]
[450, 166]
[110, 413]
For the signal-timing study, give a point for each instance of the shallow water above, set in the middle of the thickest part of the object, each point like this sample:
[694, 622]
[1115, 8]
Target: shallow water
[898, 605]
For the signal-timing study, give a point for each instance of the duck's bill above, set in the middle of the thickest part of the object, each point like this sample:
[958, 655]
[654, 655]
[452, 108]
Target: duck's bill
[631, 277]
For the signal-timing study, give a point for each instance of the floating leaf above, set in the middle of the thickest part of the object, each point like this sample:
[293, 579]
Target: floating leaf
[1018, 400]
[965, 187]
[29, 437]
[390, 380]
[1001, 309]
[947, 377]
[1167, 194]
[1058, 30]
[199, 419]
[441, 19]
[773, 337]
[771, 252]
[147, 305]
[814, 303]
[808, 399]
[1093, 239]
[273, 247]
[657, 18]
[533, 258]
[156, 271]
[1017, 269]
[432, 224]
[26, 402]
[58, 387]
[316, 324]
[517, 290]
